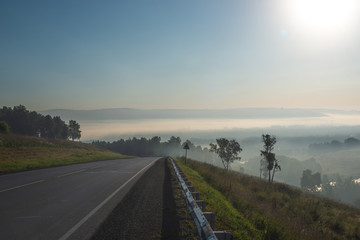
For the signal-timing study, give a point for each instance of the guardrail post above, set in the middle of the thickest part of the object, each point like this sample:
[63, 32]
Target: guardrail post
[222, 235]
[201, 223]
[210, 216]
[196, 195]
[202, 204]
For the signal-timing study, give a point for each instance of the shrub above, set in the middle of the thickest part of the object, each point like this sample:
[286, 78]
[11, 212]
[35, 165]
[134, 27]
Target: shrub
[4, 127]
[261, 196]
[338, 226]
[260, 223]
[272, 233]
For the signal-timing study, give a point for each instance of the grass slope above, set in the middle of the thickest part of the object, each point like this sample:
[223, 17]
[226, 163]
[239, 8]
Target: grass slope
[19, 153]
[250, 208]
[227, 217]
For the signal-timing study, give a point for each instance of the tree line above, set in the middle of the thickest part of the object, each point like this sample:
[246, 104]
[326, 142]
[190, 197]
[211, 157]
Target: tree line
[227, 150]
[144, 147]
[334, 145]
[336, 187]
[19, 120]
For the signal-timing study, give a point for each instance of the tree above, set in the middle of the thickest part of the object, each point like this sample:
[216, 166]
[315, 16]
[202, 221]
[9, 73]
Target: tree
[74, 130]
[175, 141]
[228, 151]
[327, 188]
[269, 162]
[156, 145]
[24, 122]
[4, 127]
[173, 146]
[351, 142]
[47, 127]
[310, 181]
[60, 128]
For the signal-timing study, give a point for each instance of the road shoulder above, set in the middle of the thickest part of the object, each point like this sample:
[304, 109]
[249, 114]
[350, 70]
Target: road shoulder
[153, 209]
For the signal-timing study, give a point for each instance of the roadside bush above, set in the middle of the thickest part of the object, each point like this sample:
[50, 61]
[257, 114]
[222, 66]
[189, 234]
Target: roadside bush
[4, 127]
[260, 223]
[272, 233]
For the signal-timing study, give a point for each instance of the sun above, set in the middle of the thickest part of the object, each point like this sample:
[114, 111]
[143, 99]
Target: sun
[323, 17]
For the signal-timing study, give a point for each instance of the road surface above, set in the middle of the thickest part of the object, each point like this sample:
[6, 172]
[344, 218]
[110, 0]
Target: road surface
[63, 202]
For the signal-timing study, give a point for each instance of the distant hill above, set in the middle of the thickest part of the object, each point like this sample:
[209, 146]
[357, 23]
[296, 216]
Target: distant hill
[131, 113]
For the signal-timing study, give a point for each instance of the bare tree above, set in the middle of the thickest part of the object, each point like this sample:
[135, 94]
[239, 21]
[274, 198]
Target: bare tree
[269, 162]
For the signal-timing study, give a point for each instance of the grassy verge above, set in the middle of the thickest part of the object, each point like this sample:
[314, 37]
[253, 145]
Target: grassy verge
[227, 217]
[18, 153]
[253, 209]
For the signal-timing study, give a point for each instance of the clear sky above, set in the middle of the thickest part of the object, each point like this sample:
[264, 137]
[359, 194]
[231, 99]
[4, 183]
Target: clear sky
[180, 54]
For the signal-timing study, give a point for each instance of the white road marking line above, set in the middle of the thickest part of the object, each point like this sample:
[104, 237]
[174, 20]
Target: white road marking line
[24, 185]
[67, 174]
[27, 217]
[90, 214]
[95, 167]
[114, 171]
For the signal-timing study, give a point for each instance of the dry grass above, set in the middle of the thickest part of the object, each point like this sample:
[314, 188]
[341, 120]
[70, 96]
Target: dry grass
[280, 211]
[19, 153]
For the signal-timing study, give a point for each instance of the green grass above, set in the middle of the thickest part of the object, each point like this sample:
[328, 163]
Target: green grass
[227, 217]
[18, 153]
[250, 208]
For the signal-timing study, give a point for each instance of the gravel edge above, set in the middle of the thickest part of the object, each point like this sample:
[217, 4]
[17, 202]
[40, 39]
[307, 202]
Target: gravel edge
[153, 209]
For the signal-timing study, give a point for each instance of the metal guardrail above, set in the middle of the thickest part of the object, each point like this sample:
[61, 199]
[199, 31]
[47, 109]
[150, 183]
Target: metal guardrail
[202, 224]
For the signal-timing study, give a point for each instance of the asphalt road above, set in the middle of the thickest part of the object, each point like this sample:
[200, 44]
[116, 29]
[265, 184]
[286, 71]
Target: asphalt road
[67, 202]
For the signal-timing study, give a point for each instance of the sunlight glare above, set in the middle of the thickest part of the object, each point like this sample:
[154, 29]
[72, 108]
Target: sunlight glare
[323, 17]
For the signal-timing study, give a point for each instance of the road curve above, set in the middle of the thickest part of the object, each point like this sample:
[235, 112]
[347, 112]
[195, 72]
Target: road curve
[67, 201]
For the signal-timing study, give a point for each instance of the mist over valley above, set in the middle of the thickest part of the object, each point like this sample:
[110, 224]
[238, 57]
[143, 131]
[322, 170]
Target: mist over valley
[314, 139]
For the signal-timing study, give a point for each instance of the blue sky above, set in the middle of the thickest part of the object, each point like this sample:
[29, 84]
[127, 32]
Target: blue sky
[177, 54]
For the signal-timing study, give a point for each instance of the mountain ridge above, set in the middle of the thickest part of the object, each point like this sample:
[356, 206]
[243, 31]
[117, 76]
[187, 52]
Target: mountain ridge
[135, 113]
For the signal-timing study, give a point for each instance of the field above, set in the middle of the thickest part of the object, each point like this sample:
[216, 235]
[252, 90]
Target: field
[18, 153]
[251, 208]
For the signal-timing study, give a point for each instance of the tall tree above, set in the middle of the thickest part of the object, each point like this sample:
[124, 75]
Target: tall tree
[156, 145]
[228, 151]
[74, 130]
[60, 128]
[24, 122]
[47, 127]
[174, 146]
[269, 161]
